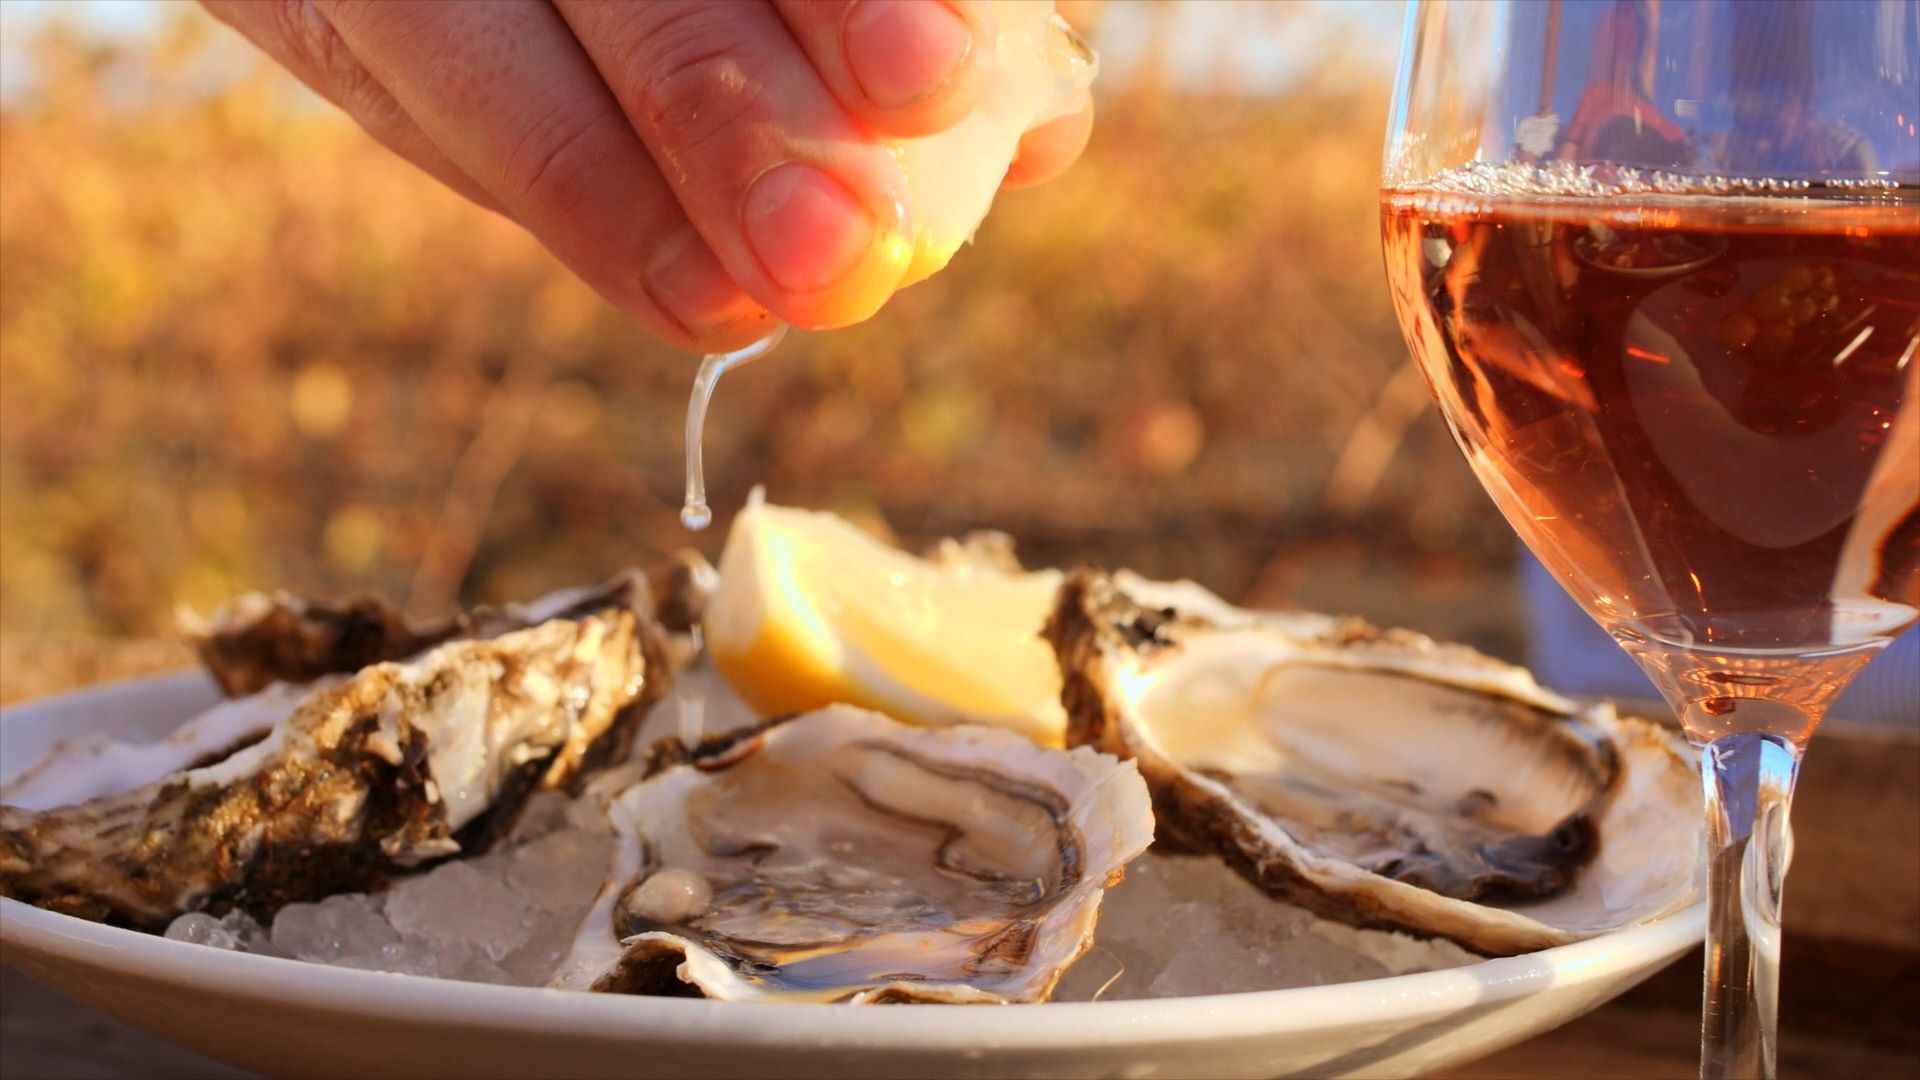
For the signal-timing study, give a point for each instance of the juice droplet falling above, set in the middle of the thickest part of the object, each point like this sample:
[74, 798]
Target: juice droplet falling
[694, 513]
[692, 722]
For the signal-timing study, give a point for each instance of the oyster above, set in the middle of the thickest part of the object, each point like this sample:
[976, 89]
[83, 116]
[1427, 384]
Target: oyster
[95, 766]
[264, 650]
[267, 642]
[841, 856]
[1377, 778]
[259, 639]
[384, 771]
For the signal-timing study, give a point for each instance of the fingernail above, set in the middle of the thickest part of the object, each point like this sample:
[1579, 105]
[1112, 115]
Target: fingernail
[807, 230]
[903, 51]
[688, 282]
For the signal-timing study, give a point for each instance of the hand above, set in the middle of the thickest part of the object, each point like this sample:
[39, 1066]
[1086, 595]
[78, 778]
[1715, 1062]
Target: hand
[707, 165]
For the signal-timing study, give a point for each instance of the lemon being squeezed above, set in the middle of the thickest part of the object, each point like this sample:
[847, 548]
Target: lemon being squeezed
[1039, 69]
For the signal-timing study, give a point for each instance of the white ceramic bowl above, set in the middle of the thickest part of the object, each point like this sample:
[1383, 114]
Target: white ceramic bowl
[292, 1019]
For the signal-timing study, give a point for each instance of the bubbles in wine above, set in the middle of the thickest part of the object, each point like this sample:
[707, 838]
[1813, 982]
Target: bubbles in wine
[1567, 180]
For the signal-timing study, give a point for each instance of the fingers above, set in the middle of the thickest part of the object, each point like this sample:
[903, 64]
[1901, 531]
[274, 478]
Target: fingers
[505, 92]
[1046, 151]
[670, 150]
[297, 36]
[800, 205]
[900, 67]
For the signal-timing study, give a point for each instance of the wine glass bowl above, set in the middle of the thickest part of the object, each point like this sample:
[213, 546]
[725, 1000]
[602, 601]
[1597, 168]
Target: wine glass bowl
[1697, 416]
[1660, 265]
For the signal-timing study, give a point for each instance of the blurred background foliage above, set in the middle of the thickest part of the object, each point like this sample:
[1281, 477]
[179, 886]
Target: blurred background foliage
[242, 346]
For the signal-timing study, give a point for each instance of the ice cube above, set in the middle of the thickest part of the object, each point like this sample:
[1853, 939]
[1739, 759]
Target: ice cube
[462, 903]
[1189, 925]
[251, 936]
[562, 870]
[200, 928]
[338, 927]
[534, 963]
[544, 813]
[440, 959]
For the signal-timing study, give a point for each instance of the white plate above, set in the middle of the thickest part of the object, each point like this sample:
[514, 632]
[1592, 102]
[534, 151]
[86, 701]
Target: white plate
[287, 1018]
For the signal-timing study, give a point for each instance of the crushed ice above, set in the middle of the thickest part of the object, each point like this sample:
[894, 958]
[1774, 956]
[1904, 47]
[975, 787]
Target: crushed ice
[1183, 925]
[1177, 926]
[504, 917]
[507, 917]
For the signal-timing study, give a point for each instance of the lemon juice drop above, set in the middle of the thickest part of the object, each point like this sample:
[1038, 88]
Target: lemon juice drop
[695, 514]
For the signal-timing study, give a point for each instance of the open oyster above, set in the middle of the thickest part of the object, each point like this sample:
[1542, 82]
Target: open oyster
[841, 856]
[386, 770]
[1380, 779]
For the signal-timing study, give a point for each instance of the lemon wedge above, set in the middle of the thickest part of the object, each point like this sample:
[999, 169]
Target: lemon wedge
[1041, 67]
[1034, 69]
[811, 611]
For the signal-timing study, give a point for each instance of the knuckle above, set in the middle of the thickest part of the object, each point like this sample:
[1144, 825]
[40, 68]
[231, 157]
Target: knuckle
[689, 73]
[625, 291]
[311, 35]
[560, 155]
[306, 30]
[311, 31]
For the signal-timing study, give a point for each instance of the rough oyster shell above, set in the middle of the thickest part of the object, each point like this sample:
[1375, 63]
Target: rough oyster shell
[258, 639]
[96, 766]
[275, 642]
[841, 856]
[395, 767]
[1380, 779]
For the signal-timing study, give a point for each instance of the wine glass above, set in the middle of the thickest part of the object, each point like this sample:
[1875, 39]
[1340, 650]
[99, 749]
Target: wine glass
[1659, 261]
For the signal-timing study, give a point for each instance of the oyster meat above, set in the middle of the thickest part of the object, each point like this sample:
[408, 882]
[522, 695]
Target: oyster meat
[396, 766]
[1377, 778]
[841, 856]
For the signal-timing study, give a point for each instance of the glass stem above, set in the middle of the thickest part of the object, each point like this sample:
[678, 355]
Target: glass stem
[1751, 715]
[1748, 777]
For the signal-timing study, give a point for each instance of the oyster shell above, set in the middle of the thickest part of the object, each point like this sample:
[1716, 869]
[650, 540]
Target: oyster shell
[263, 650]
[96, 766]
[258, 639]
[390, 769]
[1380, 779]
[841, 856]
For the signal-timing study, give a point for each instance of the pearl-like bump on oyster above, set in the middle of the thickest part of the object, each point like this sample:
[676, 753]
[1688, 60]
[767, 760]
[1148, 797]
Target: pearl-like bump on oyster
[841, 856]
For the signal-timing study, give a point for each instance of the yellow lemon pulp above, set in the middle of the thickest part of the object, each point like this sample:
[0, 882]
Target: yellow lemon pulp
[812, 611]
[1040, 70]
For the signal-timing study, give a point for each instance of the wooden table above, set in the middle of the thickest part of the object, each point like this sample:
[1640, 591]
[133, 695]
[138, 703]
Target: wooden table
[1850, 1005]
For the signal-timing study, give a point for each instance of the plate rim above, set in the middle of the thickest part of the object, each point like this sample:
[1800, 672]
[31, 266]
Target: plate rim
[416, 999]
